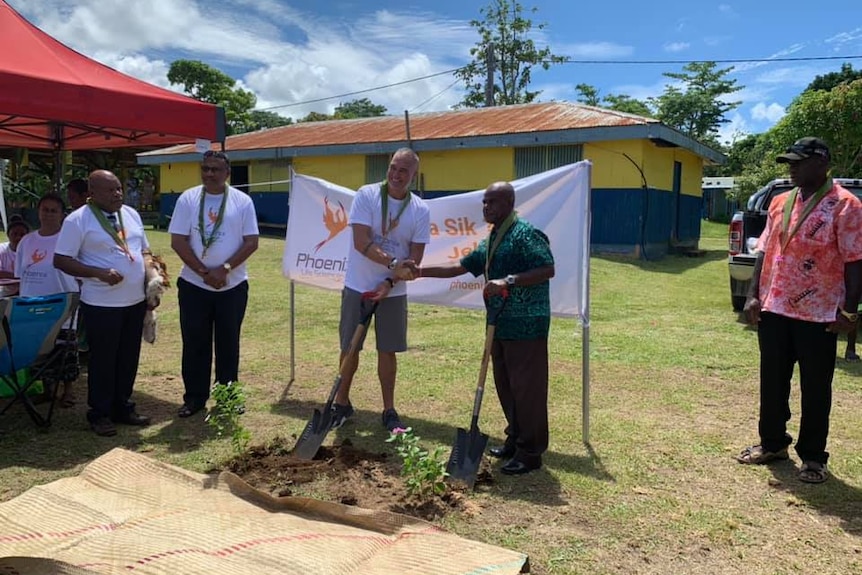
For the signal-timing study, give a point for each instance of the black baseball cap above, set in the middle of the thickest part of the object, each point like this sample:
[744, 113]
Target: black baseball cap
[804, 148]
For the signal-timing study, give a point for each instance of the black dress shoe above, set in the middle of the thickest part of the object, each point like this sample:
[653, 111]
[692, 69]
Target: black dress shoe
[189, 410]
[133, 418]
[515, 467]
[502, 451]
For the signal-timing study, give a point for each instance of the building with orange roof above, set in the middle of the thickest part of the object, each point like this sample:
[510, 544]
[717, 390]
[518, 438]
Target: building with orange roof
[646, 178]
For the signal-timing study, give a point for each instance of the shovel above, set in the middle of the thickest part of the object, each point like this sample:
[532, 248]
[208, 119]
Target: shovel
[469, 447]
[315, 430]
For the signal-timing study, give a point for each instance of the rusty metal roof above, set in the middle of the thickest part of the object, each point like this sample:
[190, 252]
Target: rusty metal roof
[467, 123]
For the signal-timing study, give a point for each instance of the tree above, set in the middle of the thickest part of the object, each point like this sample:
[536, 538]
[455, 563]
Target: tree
[505, 33]
[835, 116]
[203, 82]
[588, 95]
[698, 107]
[315, 117]
[625, 103]
[832, 79]
[362, 108]
[260, 119]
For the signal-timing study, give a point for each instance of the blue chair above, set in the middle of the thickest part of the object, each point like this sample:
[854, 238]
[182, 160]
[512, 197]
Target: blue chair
[33, 337]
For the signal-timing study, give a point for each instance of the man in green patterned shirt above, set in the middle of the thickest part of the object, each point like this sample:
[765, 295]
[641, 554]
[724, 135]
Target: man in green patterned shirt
[515, 258]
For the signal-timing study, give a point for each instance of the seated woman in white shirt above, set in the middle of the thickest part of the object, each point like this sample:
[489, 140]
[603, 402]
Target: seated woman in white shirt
[16, 230]
[34, 265]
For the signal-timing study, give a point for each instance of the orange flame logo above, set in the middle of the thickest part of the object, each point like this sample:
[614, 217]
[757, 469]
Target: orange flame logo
[38, 256]
[212, 215]
[335, 221]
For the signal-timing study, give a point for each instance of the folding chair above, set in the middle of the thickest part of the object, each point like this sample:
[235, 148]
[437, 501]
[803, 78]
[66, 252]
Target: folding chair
[33, 336]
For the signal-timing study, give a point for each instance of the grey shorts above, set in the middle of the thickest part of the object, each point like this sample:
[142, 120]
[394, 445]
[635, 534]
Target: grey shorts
[390, 321]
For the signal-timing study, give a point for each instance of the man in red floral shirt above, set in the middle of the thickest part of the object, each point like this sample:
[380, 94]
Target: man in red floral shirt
[805, 291]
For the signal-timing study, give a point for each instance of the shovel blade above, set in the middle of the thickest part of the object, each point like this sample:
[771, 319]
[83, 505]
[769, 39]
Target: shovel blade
[312, 436]
[466, 457]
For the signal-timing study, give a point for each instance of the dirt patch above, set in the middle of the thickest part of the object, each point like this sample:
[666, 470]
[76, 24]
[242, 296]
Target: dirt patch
[348, 475]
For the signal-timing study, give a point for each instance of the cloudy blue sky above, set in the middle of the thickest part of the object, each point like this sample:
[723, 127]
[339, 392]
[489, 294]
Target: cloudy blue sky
[292, 51]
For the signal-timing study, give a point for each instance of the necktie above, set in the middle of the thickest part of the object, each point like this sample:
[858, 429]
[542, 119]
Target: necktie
[113, 219]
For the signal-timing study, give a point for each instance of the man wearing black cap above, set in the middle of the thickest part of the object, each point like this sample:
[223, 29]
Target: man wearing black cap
[805, 291]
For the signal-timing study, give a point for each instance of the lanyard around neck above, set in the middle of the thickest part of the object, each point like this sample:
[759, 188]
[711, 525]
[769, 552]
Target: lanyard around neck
[385, 228]
[208, 241]
[118, 235]
[810, 204]
[498, 232]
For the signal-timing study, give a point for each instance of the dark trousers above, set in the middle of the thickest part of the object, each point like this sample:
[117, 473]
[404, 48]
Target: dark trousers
[521, 378]
[114, 335]
[207, 316]
[783, 343]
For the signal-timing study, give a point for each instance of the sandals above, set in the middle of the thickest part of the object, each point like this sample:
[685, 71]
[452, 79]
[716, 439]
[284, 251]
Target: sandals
[813, 472]
[756, 455]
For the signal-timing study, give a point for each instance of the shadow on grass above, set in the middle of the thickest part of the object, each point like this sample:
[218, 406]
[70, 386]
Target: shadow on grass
[70, 442]
[834, 497]
[669, 264]
[365, 430]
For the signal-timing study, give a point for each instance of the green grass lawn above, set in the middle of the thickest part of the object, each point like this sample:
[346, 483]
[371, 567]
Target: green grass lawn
[674, 374]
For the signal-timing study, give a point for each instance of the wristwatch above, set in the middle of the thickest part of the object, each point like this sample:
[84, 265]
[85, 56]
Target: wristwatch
[510, 280]
[227, 267]
[851, 317]
[393, 263]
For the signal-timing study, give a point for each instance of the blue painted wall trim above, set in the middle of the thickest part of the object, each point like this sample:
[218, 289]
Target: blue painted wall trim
[624, 221]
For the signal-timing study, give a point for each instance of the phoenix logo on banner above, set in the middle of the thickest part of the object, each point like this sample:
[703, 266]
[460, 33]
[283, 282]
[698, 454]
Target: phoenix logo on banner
[335, 221]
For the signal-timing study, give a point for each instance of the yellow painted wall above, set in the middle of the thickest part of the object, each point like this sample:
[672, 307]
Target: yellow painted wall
[692, 173]
[347, 171]
[178, 177]
[447, 170]
[658, 166]
[474, 169]
[610, 168]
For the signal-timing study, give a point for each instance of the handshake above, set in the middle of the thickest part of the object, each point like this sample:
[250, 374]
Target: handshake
[407, 270]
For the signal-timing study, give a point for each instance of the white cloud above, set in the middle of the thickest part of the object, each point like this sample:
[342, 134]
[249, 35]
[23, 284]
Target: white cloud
[771, 113]
[734, 129]
[674, 47]
[595, 50]
[795, 76]
[282, 54]
[727, 10]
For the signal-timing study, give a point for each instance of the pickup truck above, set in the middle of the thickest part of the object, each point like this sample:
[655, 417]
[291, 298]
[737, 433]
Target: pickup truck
[747, 225]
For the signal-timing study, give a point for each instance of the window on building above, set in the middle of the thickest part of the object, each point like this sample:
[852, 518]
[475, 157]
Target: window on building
[272, 175]
[376, 166]
[537, 159]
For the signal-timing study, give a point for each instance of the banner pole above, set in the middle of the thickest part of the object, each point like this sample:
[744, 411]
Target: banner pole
[585, 346]
[292, 334]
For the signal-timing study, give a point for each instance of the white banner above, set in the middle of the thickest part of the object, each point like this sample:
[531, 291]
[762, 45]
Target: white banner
[556, 202]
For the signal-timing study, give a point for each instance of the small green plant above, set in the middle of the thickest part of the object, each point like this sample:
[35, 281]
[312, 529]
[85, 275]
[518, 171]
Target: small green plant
[424, 472]
[224, 417]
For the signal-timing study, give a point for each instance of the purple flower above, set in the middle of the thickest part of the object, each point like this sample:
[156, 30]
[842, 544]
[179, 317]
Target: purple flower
[398, 431]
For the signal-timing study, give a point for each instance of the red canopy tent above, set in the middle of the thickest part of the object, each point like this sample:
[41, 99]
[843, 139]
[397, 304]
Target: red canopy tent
[52, 97]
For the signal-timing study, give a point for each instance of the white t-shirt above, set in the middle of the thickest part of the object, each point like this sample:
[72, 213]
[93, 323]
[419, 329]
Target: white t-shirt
[34, 264]
[83, 238]
[7, 257]
[413, 227]
[239, 220]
